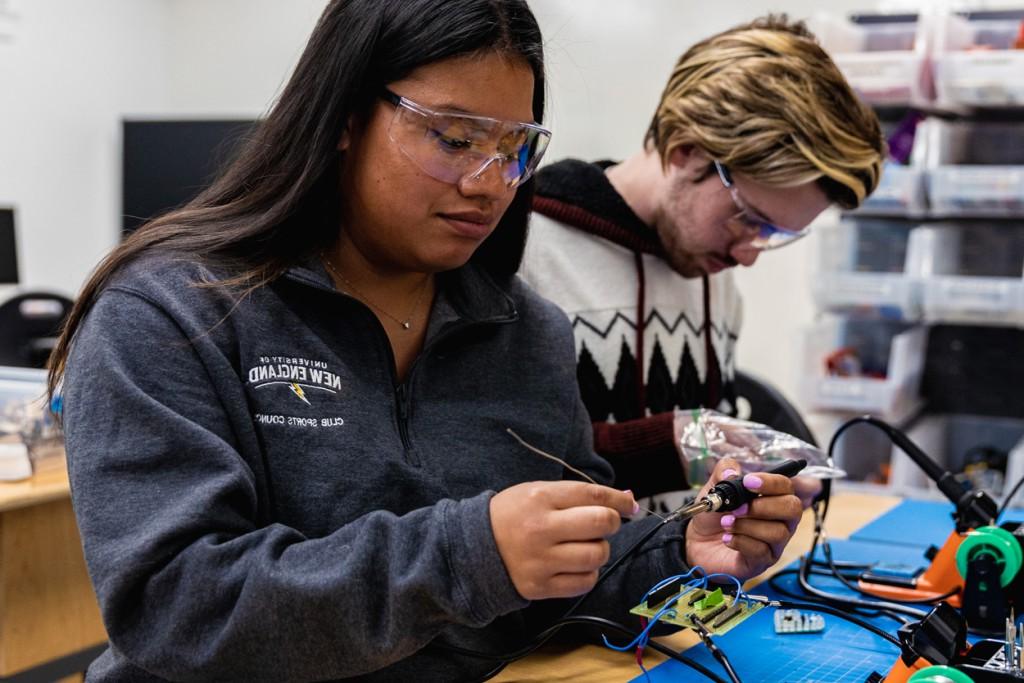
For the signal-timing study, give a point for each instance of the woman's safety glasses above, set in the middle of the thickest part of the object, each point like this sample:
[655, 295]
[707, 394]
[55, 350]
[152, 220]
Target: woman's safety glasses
[765, 235]
[452, 147]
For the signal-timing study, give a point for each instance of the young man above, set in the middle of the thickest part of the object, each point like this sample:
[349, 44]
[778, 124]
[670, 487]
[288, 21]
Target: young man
[756, 133]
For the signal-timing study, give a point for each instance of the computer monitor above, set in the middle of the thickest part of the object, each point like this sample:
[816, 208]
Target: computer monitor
[167, 163]
[8, 248]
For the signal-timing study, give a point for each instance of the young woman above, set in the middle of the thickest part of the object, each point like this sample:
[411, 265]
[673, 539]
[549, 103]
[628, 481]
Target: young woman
[286, 404]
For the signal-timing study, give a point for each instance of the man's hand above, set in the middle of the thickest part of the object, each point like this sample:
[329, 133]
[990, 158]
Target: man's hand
[747, 541]
[551, 534]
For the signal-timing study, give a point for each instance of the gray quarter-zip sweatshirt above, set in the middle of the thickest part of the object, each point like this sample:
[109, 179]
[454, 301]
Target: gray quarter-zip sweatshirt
[260, 500]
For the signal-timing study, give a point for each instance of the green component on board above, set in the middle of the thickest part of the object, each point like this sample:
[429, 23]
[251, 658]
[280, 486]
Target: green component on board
[712, 599]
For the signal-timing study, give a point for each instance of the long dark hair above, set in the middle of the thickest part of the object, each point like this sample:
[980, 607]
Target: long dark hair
[278, 201]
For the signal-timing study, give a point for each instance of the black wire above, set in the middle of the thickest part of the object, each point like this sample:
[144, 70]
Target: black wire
[816, 607]
[864, 612]
[1006, 501]
[716, 652]
[546, 635]
[492, 673]
[581, 619]
[813, 572]
[842, 564]
[827, 547]
[614, 565]
[820, 514]
[839, 600]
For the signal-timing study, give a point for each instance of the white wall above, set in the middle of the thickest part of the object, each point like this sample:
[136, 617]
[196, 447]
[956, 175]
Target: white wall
[67, 71]
[75, 68]
[231, 57]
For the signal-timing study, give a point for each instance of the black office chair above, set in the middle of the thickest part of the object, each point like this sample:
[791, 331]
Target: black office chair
[768, 406]
[29, 326]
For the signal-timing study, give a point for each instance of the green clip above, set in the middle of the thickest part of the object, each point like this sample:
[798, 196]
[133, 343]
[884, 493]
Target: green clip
[695, 414]
[712, 599]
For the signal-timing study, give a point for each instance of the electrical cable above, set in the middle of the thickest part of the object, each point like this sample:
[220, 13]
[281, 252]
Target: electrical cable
[716, 652]
[1006, 501]
[827, 548]
[621, 558]
[587, 620]
[842, 564]
[546, 635]
[818, 596]
[864, 612]
[900, 440]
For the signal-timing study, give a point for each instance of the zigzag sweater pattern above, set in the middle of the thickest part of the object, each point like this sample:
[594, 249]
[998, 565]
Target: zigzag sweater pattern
[648, 341]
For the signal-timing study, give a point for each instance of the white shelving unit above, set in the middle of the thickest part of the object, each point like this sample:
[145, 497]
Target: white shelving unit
[941, 242]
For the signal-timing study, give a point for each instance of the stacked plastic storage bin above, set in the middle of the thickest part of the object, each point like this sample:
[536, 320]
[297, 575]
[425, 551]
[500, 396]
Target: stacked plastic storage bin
[936, 253]
[979, 59]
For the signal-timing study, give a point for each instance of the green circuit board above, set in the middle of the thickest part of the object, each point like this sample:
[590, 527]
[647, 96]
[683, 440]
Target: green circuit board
[719, 612]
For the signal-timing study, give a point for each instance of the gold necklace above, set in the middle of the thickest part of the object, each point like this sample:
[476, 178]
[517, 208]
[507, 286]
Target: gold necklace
[405, 324]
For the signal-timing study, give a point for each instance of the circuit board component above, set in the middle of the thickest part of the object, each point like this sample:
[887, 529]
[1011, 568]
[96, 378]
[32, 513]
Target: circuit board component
[789, 621]
[718, 611]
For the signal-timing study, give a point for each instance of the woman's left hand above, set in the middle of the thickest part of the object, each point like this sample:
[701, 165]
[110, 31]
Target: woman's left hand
[747, 541]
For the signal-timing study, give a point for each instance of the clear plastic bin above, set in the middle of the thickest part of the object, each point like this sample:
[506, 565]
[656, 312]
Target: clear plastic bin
[974, 168]
[30, 440]
[976, 63]
[970, 273]
[900, 193]
[862, 266]
[884, 360]
[882, 56]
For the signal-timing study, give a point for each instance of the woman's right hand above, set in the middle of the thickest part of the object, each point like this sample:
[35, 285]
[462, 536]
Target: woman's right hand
[551, 534]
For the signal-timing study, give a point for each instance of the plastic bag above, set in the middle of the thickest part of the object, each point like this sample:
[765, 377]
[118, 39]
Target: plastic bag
[704, 436]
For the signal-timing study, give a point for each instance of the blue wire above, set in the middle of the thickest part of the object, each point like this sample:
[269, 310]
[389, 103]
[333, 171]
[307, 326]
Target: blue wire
[665, 582]
[669, 607]
[739, 586]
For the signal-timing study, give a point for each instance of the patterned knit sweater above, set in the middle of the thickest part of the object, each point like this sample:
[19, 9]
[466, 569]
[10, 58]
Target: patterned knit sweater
[647, 340]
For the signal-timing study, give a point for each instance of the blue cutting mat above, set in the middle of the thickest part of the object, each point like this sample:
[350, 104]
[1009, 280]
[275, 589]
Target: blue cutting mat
[842, 653]
[917, 522]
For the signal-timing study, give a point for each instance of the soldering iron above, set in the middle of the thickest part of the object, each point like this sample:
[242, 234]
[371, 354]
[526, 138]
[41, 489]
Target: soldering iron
[730, 494]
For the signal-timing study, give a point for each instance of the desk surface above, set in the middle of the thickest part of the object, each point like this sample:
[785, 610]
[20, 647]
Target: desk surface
[593, 664]
[42, 487]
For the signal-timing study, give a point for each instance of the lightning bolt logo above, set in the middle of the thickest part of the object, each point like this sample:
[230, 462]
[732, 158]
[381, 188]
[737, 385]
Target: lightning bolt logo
[297, 390]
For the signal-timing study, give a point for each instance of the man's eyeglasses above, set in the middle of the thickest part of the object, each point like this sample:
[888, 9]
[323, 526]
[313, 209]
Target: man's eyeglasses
[451, 147]
[765, 235]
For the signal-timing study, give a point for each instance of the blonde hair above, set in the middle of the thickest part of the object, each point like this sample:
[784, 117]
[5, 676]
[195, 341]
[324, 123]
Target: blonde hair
[765, 100]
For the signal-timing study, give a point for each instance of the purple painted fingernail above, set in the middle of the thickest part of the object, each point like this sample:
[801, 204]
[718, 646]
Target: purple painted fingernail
[636, 507]
[726, 538]
[753, 482]
[728, 521]
[729, 473]
[742, 510]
